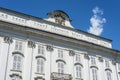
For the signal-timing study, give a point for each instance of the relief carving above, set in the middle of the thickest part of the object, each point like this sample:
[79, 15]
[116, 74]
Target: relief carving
[8, 39]
[31, 44]
[49, 48]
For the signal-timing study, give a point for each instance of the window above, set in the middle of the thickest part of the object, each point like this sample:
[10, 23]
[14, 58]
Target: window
[17, 62]
[107, 63]
[60, 67]
[93, 62]
[119, 67]
[60, 53]
[40, 49]
[94, 74]
[16, 78]
[40, 65]
[119, 75]
[18, 45]
[109, 77]
[78, 72]
[78, 58]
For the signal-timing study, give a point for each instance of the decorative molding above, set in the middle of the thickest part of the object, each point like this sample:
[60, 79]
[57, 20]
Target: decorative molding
[32, 23]
[16, 73]
[100, 58]
[79, 79]
[39, 77]
[57, 76]
[49, 48]
[31, 44]
[78, 63]
[18, 53]
[108, 69]
[86, 56]
[62, 60]
[71, 52]
[41, 56]
[8, 39]
[94, 66]
[113, 62]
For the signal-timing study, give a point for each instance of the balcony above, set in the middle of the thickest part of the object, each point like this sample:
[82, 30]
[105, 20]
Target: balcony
[60, 76]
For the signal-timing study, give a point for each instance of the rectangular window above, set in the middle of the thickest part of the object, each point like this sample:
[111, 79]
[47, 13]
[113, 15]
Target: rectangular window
[93, 61]
[78, 58]
[107, 63]
[40, 49]
[18, 45]
[60, 53]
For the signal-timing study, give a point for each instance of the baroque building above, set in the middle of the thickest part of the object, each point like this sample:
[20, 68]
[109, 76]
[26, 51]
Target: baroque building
[32, 48]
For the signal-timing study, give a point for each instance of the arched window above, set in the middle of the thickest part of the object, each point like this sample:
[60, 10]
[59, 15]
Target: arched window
[60, 67]
[78, 72]
[17, 62]
[94, 74]
[108, 74]
[40, 65]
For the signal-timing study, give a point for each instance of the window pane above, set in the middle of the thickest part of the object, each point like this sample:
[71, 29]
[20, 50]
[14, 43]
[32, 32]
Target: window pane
[78, 71]
[60, 67]
[60, 53]
[40, 65]
[94, 73]
[17, 62]
[40, 49]
[78, 58]
[18, 45]
[93, 62]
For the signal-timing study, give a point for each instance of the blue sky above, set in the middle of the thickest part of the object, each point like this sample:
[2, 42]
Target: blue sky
[80, 11]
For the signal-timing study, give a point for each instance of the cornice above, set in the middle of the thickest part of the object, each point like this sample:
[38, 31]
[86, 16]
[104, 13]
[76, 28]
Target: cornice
[56, 37]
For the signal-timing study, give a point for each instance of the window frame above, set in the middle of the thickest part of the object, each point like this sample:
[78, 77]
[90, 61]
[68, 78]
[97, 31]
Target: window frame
[40, 66]
[61, 66]
[94, 73]
[18, 62]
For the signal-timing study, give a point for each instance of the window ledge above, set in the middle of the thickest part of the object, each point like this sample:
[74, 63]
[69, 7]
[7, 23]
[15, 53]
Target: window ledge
[16, 70]
[40, 73]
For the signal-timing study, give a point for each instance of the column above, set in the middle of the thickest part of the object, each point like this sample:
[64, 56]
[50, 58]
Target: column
[5, 49]
[28, 61]
[48, 71]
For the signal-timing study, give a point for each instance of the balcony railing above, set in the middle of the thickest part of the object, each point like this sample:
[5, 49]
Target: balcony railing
[60, 76]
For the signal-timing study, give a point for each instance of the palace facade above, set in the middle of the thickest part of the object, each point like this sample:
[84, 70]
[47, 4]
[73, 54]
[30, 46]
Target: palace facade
[32, 48]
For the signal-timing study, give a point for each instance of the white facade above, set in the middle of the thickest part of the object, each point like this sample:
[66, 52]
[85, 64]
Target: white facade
[51, 49]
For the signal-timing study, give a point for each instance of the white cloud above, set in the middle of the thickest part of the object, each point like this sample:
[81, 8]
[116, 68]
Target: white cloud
[97, 22]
